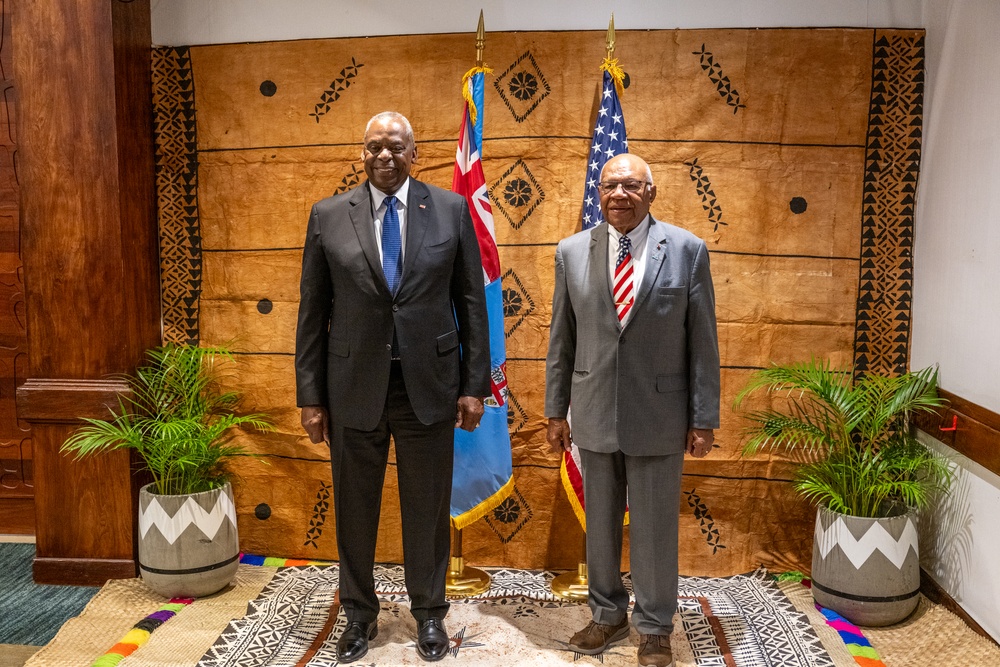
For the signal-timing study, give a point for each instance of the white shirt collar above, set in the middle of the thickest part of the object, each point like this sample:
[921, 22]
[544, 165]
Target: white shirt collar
[378, 196]
[637, 235]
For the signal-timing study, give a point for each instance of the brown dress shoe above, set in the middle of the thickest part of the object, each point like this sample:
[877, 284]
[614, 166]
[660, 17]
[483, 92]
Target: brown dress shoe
[597, 637]
[654, 651]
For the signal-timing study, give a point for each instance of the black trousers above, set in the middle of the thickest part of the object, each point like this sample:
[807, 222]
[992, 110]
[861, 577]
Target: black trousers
[424, 461]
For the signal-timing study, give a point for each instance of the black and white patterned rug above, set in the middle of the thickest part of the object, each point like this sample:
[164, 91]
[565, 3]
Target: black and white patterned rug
[739, 621]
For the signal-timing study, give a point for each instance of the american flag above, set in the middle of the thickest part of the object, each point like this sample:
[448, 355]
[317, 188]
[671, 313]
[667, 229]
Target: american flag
[609, 140]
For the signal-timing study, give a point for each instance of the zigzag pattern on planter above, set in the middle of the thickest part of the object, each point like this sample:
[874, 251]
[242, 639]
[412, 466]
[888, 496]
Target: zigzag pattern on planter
[875, 539]
[189, 513]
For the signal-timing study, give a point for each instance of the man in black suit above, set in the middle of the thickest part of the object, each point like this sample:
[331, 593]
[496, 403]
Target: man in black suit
[392, 339]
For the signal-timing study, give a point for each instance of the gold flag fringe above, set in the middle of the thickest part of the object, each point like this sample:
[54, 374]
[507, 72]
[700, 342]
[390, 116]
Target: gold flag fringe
[467, 94]
[611, 66]
[485, 507]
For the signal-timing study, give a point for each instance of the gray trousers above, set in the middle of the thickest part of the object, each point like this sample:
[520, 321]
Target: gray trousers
[651, 487]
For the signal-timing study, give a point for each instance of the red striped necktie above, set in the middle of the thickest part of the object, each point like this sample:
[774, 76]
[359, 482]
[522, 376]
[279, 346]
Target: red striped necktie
[624, 289]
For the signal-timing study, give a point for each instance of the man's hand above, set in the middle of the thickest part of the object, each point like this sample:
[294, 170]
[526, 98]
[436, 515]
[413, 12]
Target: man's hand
[470, 411]
[316, 422]
[699, 442]
[558, 436]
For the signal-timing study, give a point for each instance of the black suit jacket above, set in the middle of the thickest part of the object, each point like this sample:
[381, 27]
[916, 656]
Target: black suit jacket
[347, 314]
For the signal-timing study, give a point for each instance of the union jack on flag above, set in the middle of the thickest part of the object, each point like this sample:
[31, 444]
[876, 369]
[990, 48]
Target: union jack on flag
[483, 476]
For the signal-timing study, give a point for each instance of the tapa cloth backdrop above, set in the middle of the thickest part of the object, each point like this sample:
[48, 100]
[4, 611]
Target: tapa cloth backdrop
[793, 153]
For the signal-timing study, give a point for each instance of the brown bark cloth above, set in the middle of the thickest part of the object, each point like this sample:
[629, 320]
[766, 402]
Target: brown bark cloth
[793, 153]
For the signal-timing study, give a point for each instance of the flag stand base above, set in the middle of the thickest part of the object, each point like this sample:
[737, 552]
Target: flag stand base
[463, 581]
[572, 586]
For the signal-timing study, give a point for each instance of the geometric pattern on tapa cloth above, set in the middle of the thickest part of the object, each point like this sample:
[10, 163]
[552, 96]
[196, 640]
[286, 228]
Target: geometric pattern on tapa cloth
[224, 174]
[739, 621]
[892, 164]
[759, 623]
[281, 623]
[175, 136]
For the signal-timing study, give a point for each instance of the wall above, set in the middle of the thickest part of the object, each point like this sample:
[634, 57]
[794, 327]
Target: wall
[956, 307]
[189, 22]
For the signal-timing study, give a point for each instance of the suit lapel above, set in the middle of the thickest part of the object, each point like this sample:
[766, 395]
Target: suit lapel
[599, 269]
[364, 226]
[656, 255]
[419, 216]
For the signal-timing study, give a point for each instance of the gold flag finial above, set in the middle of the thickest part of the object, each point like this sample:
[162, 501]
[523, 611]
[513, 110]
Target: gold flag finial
[480, 68]
[480, 40]
[610, 64]
[611, 37]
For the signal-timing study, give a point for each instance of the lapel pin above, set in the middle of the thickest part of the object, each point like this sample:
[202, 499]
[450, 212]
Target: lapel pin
[421, 206]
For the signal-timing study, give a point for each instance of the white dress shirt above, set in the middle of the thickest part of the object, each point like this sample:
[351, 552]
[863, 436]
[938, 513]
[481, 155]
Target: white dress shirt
[638, 236]
[378, 204]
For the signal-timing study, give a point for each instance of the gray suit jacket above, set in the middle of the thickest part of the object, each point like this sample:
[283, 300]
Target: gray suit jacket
[640, 389]
[347, 314]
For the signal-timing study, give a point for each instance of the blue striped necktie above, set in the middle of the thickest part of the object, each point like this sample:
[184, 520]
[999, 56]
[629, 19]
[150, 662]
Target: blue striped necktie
[392, 245]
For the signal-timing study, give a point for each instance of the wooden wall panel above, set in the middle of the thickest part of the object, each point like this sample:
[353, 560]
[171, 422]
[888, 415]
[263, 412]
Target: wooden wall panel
[90, 263]
[966, 427]
[17, 513]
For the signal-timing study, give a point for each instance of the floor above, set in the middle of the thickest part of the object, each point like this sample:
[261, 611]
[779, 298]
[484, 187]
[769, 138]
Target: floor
[15, 655]
[21, 595]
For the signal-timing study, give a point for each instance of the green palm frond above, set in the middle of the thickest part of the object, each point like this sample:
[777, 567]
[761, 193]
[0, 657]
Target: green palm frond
[869, 460]
[177, 418]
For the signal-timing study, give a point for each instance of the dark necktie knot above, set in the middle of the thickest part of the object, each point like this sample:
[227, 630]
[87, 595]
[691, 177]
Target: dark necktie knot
[624, 249]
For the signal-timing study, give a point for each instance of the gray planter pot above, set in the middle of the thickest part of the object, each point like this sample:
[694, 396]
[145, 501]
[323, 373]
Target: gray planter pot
[867, 570]
[188, 544]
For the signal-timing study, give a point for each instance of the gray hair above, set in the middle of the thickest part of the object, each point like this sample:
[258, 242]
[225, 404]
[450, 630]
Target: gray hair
[392, 116]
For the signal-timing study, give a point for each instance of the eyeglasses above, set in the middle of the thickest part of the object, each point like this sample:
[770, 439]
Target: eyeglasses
[607, 187]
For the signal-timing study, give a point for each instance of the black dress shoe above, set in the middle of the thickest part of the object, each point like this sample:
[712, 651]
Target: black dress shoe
[432, 640]
[353, 643]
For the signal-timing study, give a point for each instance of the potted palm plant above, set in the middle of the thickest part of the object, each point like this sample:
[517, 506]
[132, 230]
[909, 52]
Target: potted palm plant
[866, 471]
[180, 422]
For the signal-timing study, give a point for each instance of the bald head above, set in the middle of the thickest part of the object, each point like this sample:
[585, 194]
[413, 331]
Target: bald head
[627, 191]
[635, 162]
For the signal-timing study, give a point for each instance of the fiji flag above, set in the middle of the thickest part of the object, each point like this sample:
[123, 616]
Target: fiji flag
[484, 473]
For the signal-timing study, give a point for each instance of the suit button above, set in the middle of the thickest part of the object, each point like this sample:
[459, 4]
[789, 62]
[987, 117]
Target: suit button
[395, 307]
[621, 341]
[388, 346]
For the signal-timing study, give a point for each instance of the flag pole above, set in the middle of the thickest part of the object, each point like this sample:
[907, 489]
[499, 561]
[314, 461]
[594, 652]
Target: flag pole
[463, 581]
[574, 586]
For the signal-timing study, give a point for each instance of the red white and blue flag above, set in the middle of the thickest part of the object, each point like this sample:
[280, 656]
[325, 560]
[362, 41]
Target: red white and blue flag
[609, 140]
[483, 476]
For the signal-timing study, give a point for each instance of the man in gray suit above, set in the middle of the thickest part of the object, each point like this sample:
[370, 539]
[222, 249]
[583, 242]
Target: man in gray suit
[633, 346]
[392, 339]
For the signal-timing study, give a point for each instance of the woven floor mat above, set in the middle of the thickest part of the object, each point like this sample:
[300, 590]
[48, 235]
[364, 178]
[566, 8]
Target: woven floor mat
[286, 617]
[121, 603]
[931, 637]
